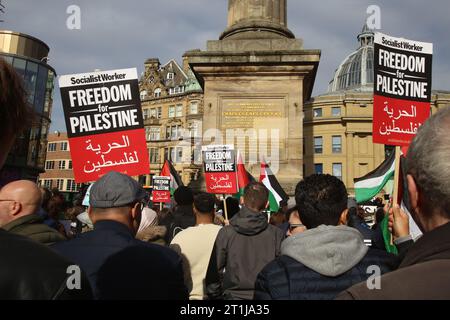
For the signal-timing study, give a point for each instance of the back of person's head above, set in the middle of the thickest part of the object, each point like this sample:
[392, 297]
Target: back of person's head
[46, 196]
[204, 203]
[183, 196]
[15, 113]
[256, 196]
[116, 196]
[428, 163]
[19, 198]
[232, 207]
[321, 199]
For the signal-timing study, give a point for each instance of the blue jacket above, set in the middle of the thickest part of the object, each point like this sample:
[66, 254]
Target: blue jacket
[111, 252]
[320, 263]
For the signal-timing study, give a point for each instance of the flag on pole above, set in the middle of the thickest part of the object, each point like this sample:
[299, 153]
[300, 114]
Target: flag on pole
[169, 171]
[372, 183]
[244, 177]
[276, 192]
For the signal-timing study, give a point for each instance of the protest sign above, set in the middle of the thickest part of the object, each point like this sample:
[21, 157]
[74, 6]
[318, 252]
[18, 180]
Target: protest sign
[220, 169]
[161, 189]
[402, 92]
[104, 123]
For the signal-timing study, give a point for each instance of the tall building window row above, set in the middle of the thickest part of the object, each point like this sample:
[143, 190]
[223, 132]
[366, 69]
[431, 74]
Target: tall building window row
[64, 185]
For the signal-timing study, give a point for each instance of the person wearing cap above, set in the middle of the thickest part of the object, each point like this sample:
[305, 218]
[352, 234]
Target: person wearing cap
[116, 201]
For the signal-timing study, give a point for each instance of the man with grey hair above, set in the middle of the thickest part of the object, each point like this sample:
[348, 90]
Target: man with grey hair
[424, 272]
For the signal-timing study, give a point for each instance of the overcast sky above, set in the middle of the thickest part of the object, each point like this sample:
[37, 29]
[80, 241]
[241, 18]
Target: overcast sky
[122, 34]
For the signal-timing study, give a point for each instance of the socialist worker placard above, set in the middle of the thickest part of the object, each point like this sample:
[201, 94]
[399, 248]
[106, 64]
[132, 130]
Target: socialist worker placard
[402, 92]
[104, 123]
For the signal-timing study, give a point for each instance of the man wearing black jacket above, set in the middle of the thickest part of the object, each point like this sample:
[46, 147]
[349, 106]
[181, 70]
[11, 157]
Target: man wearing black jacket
[243, 248]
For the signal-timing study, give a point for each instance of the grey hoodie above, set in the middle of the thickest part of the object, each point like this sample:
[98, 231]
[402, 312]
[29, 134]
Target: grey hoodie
[328, 250]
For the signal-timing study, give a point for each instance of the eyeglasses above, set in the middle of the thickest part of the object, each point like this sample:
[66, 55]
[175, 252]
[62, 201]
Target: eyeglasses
[293, 226]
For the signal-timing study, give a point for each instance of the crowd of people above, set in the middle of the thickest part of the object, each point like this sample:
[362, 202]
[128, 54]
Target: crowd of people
[314, 248]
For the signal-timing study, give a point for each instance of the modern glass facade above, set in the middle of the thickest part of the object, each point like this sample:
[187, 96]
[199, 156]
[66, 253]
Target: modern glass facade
[27, 55]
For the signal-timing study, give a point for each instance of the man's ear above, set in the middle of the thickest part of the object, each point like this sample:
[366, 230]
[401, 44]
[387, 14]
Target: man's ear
[343, 218]
[15, 208]
[413, 192]
[90, 213]
[136, 212]
[241, 200]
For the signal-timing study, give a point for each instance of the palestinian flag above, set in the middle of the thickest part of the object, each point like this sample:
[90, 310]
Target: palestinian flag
[372, 183]
[276, 193]
[169, 171]
[244, 177]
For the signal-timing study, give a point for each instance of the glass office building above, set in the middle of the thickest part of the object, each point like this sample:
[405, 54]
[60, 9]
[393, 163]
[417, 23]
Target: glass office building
[29, 56]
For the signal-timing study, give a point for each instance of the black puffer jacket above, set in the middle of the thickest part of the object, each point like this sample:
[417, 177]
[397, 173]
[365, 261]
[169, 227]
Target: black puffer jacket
[320, 263]
[31, 271]
[241, 250]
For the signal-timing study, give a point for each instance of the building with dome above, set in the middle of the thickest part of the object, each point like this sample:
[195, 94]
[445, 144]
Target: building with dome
[338, 123]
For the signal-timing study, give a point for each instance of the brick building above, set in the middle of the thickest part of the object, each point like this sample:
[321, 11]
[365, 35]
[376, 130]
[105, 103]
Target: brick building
[58, 166]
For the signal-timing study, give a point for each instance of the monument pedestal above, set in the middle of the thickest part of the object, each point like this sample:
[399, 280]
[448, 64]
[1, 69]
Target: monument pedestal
[255, 81]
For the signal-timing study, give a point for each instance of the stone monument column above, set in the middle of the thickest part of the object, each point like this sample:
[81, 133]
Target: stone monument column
[257, 19]
[256, 78]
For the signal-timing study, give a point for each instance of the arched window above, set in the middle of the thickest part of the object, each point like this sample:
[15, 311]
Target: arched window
[157, 92]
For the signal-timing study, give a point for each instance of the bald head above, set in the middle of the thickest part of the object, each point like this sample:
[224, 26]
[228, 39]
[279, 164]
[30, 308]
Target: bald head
[18, 199]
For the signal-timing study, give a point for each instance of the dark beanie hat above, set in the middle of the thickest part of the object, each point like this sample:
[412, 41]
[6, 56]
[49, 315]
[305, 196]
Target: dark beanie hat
[183, 196]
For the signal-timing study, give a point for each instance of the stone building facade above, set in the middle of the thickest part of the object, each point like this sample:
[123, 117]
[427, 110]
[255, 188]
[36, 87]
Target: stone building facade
[172, 106]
